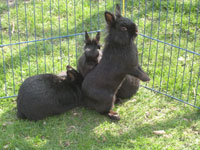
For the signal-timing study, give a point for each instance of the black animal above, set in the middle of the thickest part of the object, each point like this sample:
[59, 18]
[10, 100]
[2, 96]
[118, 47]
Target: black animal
[91, 56]
[119, 58]
[45, 95]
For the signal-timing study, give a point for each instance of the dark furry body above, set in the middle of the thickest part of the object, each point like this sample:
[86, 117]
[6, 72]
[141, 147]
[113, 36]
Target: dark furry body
[45, 95]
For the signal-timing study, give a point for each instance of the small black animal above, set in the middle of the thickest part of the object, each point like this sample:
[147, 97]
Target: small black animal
[45, 95]
[119, 58]
[91, 56]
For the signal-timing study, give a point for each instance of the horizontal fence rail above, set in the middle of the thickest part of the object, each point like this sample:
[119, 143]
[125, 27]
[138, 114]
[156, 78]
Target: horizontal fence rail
[39, 36]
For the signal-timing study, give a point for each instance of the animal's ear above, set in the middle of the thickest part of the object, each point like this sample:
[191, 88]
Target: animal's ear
[87, 38]
[118, 11]
[98, 37]
[70, 74]
[110, 18]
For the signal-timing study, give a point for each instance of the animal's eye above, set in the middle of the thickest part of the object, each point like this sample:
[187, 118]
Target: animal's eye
[123, 28]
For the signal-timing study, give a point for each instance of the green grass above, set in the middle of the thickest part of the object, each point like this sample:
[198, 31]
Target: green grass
[84, 129]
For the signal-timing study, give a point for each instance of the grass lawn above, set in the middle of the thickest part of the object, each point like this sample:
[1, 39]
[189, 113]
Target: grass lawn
[173, 71]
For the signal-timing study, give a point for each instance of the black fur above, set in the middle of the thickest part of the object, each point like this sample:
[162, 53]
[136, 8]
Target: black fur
[91, 56]
[119, 59]
[45, 95]
[129, 87]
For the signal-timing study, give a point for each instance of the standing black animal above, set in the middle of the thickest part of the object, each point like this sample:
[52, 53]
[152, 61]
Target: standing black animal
[91, 56]
[119, 58]
[45, 95]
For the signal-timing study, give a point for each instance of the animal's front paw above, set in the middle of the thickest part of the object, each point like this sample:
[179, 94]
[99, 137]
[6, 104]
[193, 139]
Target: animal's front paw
[145, 78]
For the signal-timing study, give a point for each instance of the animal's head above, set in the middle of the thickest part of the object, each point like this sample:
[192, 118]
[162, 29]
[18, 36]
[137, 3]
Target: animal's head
[92, 47]
[121, 30]
[73, 76]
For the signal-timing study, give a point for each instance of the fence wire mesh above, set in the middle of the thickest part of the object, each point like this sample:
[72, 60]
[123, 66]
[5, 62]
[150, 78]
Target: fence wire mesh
[38, 36]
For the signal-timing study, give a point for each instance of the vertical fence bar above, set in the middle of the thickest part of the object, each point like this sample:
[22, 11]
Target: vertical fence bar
[83, 15]
[11, 48]
[29, 65]
[90, 17]
[178, 49]
[170, 60]
[75, 28]
[164, 46]
[45, 66]
[67, 31]
[150, 36]
[157, 47]
[59, 34]
[195, 39]
[144, 30]
[125, 7]
[105, 4]
[4, 67]
[20, 56]
[36, 50]
[132, 11]
[98, 17]
[195, 99]
[113, 7]
[51, 39]
[186, 51]
[138, 19]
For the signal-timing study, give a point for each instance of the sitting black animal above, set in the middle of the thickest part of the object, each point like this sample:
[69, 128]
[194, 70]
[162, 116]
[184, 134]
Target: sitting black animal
[119, 58]
[91, 56]
[45, 95]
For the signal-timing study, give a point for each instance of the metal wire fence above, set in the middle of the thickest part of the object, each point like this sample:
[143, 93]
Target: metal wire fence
[38, 36]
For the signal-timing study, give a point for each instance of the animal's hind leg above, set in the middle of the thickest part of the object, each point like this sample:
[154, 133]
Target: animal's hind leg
[102, 101]
[105, 107]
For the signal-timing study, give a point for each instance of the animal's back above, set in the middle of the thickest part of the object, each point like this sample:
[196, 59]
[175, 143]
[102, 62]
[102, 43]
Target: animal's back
[44, 95]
